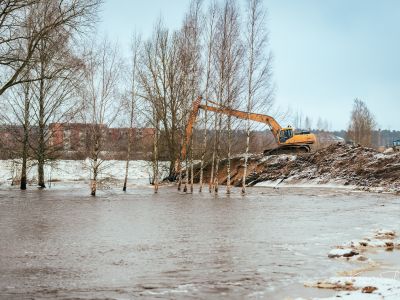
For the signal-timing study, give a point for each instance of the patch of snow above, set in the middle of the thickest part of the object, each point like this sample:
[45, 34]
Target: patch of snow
[388, 151]
[304, 184]
[371, 243]
[274, 159]
[140, 171]
[380, 155]
[335, 253]
[385, 234]
[356, 288]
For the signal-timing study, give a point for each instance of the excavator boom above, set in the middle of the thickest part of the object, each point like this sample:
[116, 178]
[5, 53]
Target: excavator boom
[287, 140]
[268, 120]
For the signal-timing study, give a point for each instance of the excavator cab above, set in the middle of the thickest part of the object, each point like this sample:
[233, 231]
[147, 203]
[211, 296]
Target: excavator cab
[285, 134]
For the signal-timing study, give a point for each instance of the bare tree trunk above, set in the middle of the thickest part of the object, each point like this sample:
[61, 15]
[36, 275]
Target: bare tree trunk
[41, 146]
[211, 184]
[95, 163]
[128, 155]
[246, 156]
[203, 153]
[185, 187]
[25, 145]
[155, 158]
[191, 165]
[228, 179]
[24, 163]
[217, 156]
[93, 185]
[180, 163]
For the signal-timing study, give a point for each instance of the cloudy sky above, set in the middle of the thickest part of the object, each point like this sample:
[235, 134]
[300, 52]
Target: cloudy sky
[326, 52]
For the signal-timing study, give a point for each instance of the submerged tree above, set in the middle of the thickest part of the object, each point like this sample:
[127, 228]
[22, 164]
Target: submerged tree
[100, 96]
[258, 61]
[228, 54]
[34, 38]
[132, 99]
[190, 66]
[17, 109]
[54, 95]
[161, 83]
[210, 25]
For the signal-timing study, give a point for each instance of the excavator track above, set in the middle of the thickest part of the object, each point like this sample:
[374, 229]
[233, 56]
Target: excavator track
[288, 149]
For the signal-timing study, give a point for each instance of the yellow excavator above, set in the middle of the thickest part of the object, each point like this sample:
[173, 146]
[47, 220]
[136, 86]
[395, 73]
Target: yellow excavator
[287, 139]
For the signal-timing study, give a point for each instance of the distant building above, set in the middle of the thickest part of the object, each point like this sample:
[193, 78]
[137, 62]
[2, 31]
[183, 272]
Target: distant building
[76, 137]
[72, 140]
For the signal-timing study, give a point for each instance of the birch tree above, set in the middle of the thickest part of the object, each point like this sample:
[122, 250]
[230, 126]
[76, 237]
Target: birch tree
[227, 60]
[132, 99]
[17, 109]
[190, 67]
[100, 96]
[210, 25]
[162, 86]
[25, 27]
[258, 63]
[54, 94]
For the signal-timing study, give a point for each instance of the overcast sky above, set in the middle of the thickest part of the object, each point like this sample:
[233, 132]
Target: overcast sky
[326, 52]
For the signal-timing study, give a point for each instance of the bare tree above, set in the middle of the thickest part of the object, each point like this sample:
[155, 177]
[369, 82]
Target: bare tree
[45, 100]
[162, 87]
[100, 95]
[362, 124]
[17, 110]
[228, 54]
[258, 61]
[21, 32]
[210, 24]
[28, 28]
[190, 66]
[58, 70]
[132, 98]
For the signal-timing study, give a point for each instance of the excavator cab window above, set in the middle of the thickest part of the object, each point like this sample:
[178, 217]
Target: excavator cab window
[285, 134]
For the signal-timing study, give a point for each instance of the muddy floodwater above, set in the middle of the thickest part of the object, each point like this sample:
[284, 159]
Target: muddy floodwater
[62, 244]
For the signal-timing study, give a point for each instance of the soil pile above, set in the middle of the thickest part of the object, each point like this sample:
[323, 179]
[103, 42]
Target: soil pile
[339, 163]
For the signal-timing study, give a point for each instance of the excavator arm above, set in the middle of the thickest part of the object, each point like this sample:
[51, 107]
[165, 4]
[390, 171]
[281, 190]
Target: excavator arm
[268, 120]
[287, 140]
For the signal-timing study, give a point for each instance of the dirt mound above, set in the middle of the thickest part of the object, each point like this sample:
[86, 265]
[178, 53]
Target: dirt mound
[339, 163]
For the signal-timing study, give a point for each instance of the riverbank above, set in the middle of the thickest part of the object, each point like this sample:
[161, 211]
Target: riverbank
[339, 165]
